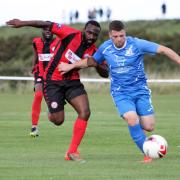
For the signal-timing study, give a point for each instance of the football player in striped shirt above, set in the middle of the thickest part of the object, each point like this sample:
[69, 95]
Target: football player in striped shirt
[58, 88]
[44, 48]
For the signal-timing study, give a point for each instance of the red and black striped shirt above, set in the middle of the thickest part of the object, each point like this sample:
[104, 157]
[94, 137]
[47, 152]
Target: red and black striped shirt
[45, 51]
[71, 41]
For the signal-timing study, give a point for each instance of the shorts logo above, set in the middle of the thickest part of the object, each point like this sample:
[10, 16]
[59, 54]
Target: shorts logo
[38, 79]
[150, 109]
[54, 105]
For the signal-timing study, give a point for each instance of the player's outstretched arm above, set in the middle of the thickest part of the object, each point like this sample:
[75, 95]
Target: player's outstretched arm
[169, 53]
[17, 23]
[84, 63]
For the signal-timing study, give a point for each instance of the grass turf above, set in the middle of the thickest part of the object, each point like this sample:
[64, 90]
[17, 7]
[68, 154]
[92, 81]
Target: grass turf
[107, 146]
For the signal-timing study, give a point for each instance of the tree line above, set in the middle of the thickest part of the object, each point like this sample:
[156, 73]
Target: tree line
[16, 50]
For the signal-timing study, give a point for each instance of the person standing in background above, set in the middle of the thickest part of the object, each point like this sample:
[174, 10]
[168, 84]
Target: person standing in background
[164, 9]
[44, 48]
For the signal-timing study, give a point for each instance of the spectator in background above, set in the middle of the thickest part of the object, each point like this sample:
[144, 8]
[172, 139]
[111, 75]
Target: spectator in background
[108, 14]
[76, 15]
[163, 9]
[101, 13]
[92, 14]
[71, 17]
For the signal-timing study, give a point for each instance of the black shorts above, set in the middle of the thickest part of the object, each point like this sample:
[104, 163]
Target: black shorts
[57, 92]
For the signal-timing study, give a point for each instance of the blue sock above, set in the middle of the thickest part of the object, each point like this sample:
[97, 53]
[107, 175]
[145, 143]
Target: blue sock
[137, 135]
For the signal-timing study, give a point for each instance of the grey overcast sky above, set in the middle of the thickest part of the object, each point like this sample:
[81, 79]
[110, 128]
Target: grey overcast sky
[58, 10]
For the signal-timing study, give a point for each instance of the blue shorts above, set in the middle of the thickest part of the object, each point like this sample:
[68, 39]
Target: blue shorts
[140, 103]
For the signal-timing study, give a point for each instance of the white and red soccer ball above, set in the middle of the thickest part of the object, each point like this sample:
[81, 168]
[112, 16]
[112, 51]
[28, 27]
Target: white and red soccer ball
[155, 146]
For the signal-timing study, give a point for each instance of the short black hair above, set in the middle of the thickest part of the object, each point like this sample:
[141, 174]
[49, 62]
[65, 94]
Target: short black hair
[95, 23]
[116, 25]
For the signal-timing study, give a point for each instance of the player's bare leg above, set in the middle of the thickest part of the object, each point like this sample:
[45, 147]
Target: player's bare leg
[57, 118]
[81, 105]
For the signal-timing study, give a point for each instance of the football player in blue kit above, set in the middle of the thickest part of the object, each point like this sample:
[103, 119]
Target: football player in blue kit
[129, 90]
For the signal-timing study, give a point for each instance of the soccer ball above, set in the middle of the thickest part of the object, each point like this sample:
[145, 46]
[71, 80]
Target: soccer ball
[155, 146]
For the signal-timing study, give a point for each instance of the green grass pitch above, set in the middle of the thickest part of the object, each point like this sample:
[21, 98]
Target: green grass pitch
[107, 147]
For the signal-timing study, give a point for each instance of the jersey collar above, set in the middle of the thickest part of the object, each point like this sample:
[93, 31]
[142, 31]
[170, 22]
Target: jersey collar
[121, 47]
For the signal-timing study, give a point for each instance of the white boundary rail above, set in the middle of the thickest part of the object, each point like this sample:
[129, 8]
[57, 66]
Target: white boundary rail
[91, 79]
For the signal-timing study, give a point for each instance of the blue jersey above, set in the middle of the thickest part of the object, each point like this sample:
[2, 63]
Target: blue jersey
[126, 64]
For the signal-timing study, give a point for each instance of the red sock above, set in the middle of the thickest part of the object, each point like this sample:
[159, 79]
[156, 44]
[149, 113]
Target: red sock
[78, 133]
[36, 107]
